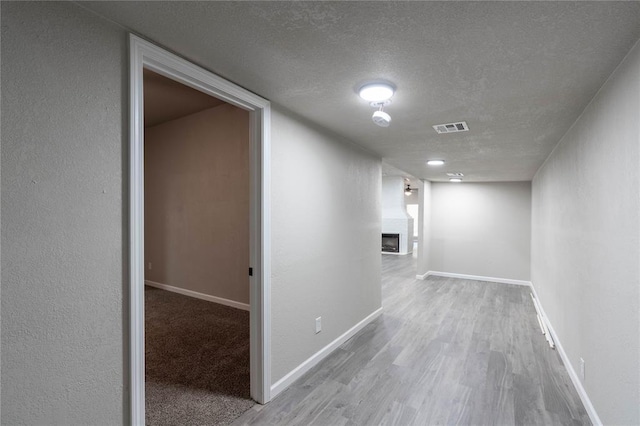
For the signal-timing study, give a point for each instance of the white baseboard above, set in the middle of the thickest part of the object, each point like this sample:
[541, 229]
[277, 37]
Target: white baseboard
[396, 254]
[582, 392]
[423, 276]
[311, 362]
[197, 295]
[475, 277]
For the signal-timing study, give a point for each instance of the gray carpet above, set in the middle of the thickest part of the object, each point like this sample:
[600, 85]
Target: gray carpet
[197, 360]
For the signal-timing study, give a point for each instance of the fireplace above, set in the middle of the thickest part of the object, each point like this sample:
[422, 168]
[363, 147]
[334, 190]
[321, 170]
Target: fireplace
[391, 243]
[397, 225]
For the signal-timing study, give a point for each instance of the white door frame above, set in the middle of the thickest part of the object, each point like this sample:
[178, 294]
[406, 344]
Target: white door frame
[146, 55]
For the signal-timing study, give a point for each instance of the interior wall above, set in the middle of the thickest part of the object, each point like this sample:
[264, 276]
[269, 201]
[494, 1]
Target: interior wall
[64, 238]
[414, 198]
[585, 244]
[197, 203]
[481, 229]
[424, 227]
[64, 192]
[412, 203]
[393, 199]
[326, 229]
[395, 217]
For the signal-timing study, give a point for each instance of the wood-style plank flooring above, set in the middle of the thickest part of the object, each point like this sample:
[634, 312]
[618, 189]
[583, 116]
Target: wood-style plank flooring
[445, 351]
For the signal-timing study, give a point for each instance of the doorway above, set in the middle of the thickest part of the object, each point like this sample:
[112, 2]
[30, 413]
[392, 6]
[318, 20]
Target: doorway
[196, 243]
[145, 55]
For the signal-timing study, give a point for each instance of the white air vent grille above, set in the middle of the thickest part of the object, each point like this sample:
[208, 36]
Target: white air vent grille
[455, 174]
[460, 126]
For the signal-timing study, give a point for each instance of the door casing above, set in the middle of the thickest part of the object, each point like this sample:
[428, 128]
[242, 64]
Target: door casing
[144, 54]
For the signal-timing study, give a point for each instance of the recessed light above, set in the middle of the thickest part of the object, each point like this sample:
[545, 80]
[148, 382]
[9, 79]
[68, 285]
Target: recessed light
[457, 180]
[376, 92]
[435, 162]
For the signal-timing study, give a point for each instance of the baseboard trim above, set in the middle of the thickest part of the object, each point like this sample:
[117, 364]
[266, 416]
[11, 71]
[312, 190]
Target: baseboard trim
[475, 277]
[311, 362]
[423, 276]
[197, 295]
[582, 392]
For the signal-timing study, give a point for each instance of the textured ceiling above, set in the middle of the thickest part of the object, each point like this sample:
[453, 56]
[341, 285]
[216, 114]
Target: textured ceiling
[166, 99]
[519, 73]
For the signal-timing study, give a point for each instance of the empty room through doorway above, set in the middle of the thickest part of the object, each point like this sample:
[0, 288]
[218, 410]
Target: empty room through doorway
[197, 253]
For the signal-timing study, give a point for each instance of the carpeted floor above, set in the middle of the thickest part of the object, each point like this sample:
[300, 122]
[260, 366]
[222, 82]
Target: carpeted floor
[197, 360]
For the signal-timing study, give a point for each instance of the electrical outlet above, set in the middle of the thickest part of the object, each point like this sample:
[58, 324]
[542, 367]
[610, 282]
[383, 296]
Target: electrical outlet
[318, 325]
[149, 267]
[582, 369]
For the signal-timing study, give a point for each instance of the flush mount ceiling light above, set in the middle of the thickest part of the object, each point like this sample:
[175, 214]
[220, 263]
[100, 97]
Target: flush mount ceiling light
[456, 180]
[378, 95]
[435, 162]
[376, 92]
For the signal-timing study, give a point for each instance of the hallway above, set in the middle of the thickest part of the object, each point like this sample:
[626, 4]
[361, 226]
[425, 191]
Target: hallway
[445, 351]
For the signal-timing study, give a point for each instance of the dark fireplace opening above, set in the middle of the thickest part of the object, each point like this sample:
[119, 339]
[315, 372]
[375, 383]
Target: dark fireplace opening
[391, 243]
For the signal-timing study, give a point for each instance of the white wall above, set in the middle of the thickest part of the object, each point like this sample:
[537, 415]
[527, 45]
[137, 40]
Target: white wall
[424, 227]
[197, 203]
[64, 229]
[585, 244]
[326, 229]
[395, 218]
[414, 198]
[64, 92]
[481, 229]
[394, 204]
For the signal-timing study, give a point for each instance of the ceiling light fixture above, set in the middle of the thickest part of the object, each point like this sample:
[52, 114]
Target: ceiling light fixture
[376, 92]
[378, 95]
[407, 190]
[457, 180]
[435, 162]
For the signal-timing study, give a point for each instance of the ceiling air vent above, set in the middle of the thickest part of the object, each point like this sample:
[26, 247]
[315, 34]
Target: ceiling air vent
[455, 174]
[460, 126]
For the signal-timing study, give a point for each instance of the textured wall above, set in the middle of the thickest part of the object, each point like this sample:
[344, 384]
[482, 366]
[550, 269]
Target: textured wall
[481, 229]
[424, 227]
[63, 242]
[585, 244]
[197, 203]
[64, 237]
[326, 239]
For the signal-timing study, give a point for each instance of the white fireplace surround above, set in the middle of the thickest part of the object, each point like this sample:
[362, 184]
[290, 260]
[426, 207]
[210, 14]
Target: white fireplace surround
[395, 219]
[402, 227]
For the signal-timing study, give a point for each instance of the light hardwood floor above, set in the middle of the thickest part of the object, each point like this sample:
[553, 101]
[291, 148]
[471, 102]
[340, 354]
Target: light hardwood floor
[445, 351]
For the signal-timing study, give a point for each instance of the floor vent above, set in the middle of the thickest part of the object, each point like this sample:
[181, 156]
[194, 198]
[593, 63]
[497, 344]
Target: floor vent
[542, 323]
[460, 126]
